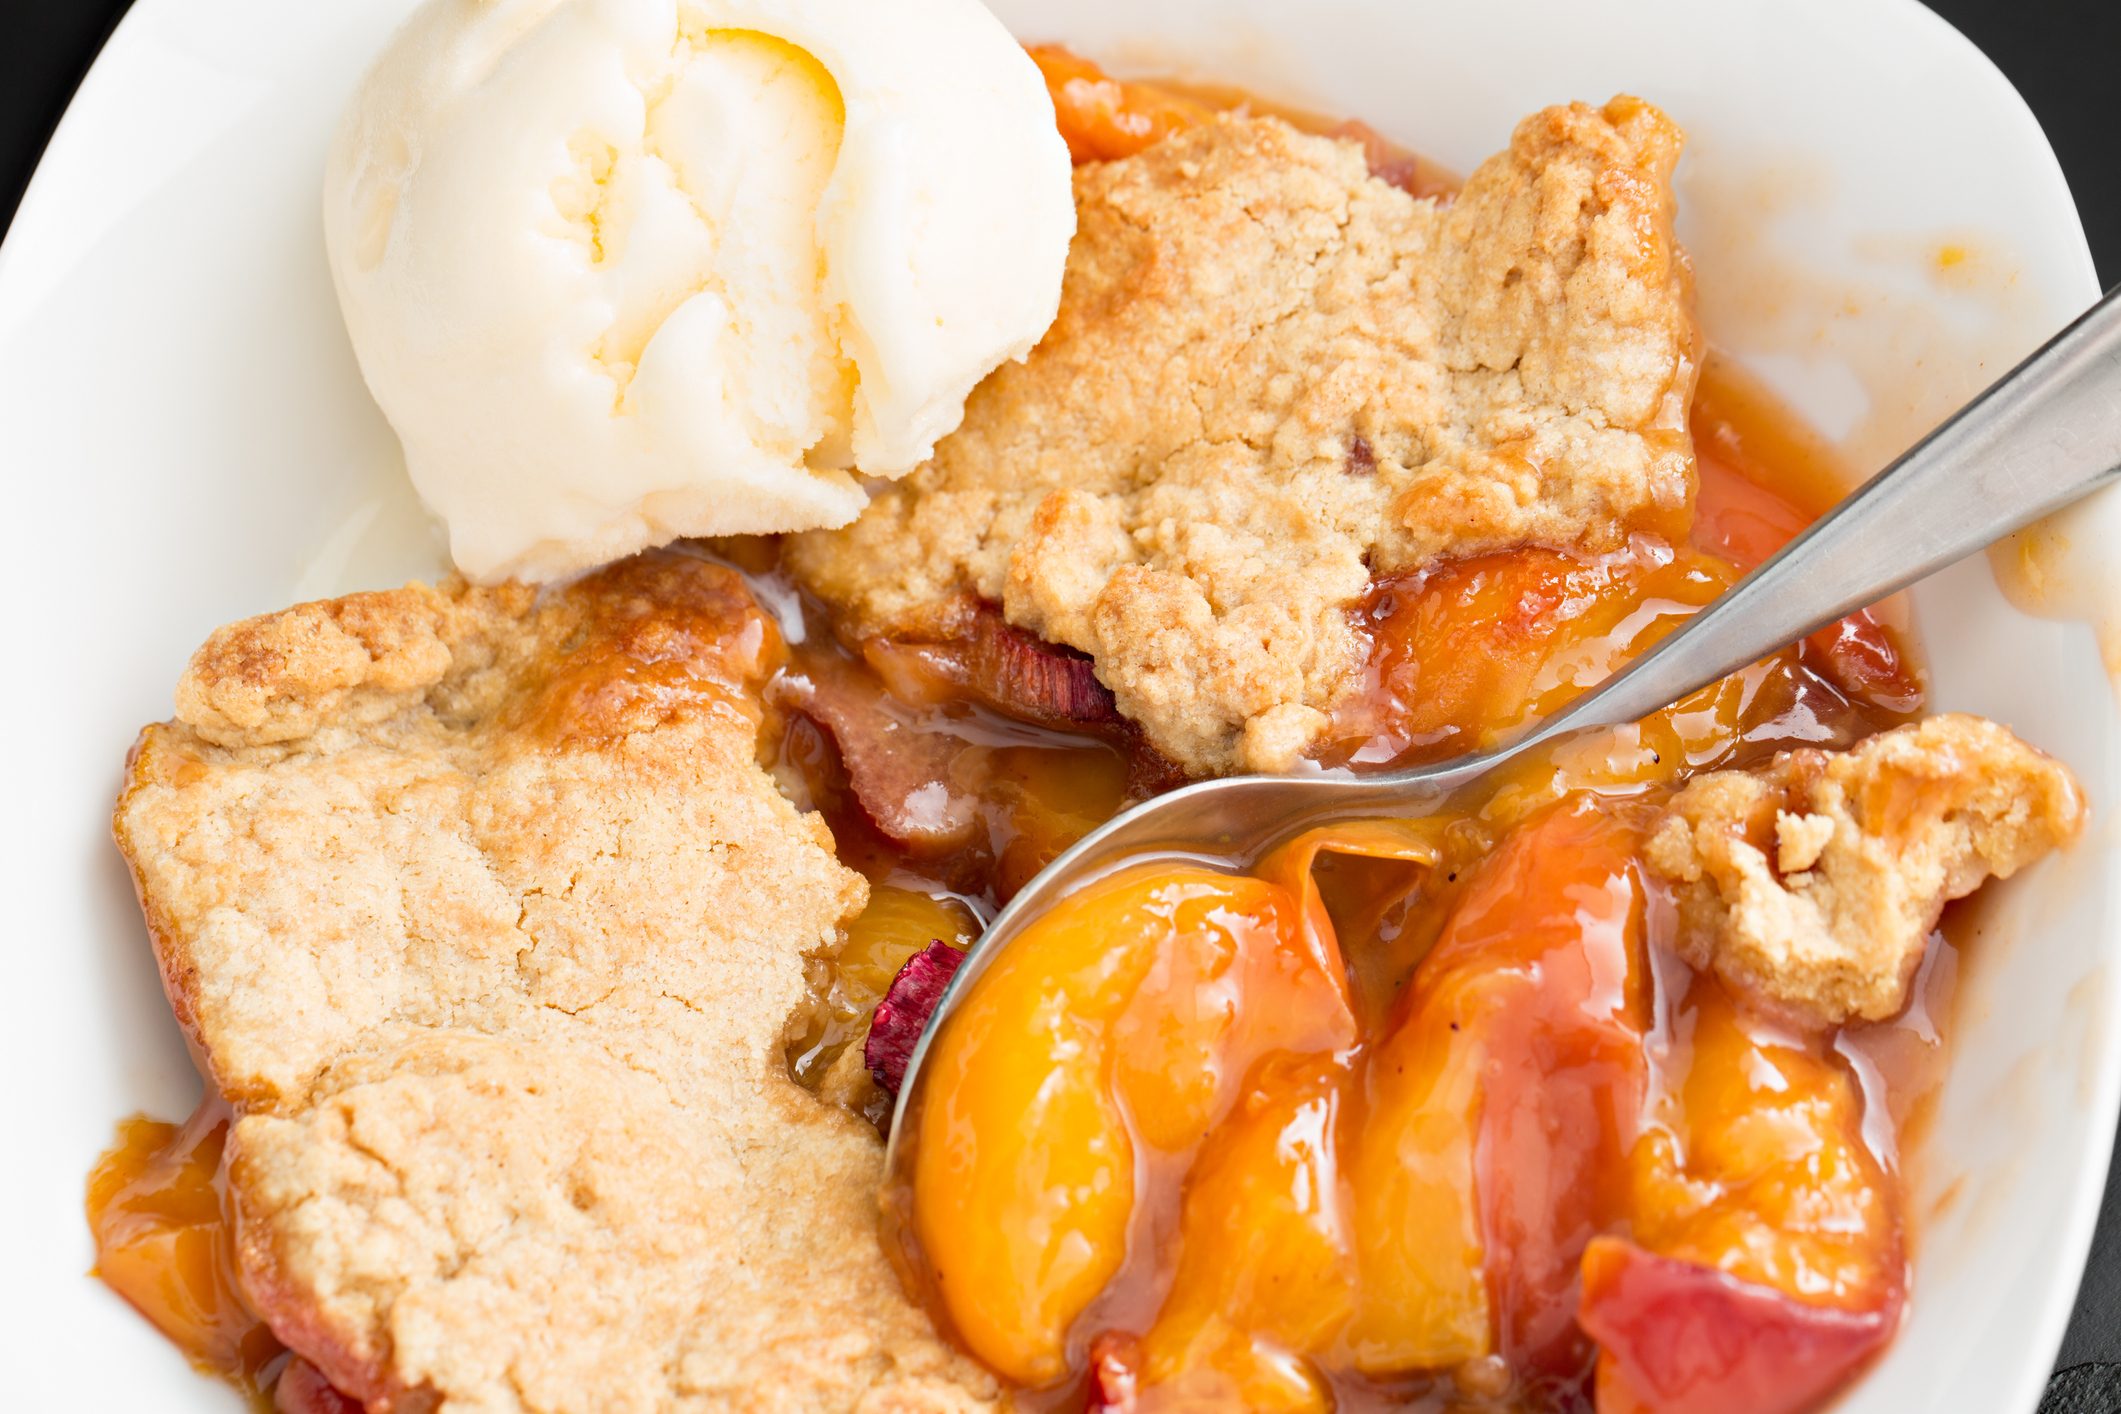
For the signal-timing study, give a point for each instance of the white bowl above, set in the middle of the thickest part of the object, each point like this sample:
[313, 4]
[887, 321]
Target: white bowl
[180, 413]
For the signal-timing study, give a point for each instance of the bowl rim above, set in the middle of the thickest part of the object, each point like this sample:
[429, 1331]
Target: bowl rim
[51, 205]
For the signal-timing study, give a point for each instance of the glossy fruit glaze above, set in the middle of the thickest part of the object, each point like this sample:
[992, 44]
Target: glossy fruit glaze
[165, 1241]
[158, 1210]
[1548, 1132]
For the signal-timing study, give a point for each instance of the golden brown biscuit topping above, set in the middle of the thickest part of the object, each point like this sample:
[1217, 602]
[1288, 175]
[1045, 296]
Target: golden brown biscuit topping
[481, 910]
[1274, 375]
[1814, 884]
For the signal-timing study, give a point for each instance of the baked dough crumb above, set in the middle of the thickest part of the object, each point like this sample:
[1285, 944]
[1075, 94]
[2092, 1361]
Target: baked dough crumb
[1813, 885]
[478, 907]
[1274, 376]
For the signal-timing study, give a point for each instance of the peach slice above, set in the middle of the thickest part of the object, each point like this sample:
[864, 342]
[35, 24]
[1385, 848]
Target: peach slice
[1127, 1018]
[165, 1243]
[1265, 1273]
[1493, 1105]
[1767, 1258]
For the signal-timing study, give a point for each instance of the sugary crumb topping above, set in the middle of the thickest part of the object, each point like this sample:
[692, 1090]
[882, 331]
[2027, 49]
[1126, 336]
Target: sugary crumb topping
[1814, 884]
[1274, 375]
[480, 909]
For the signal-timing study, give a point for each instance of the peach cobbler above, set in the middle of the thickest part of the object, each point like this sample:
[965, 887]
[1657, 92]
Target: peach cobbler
[554, 954]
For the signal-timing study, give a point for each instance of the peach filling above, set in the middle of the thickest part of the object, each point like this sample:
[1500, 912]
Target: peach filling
[1405, 1111]
[1159, 1148]
[164, 1243]
[1128, 1026]
[1766, 1257]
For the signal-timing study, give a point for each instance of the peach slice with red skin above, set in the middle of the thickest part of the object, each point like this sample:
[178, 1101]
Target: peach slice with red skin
[1766, 1261]
[1495, 1105]
[1679, 1337]
[1436, 1198]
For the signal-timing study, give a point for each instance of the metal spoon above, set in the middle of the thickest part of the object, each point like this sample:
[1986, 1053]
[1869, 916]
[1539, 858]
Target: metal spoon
[2046, 434]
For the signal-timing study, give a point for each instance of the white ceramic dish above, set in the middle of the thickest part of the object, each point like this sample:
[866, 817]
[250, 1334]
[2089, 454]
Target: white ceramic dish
[183, 427]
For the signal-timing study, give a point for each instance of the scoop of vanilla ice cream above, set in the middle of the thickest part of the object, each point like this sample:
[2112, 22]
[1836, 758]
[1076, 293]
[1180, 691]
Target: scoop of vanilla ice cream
[620, 271]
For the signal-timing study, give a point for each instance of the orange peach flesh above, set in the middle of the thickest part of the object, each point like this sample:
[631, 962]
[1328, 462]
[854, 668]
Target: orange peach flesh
[164, 1243]
[1099, 1125]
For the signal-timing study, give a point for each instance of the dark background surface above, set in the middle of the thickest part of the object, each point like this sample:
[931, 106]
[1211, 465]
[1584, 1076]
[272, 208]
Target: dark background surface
[2060, 53]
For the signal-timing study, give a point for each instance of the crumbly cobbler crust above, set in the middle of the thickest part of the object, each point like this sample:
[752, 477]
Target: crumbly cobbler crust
[1273, 376]
[479, 908]
[1814, 884]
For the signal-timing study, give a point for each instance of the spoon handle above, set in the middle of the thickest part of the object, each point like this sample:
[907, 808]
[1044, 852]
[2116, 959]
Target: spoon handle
[2046, 434]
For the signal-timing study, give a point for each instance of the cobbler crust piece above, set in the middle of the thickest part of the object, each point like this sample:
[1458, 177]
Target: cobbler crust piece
[1813, 885]
[1273, 376]
[479, 908]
